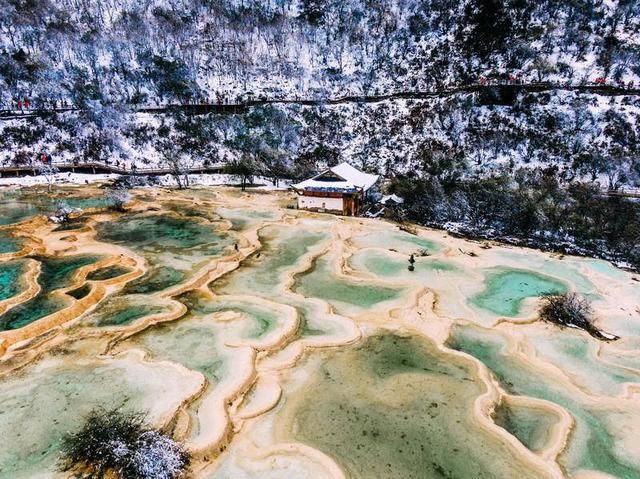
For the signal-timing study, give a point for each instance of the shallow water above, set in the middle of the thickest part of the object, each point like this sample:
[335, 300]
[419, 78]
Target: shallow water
[346, 296]
[28, 312]
[109, 272]
[9, 243]
[123, 310]
[43, 403]
[532, 426]
[56, 273]
[174, 246]
[592, 445]
[10, 278]
[391, 405]
[399, 241]
[505, 289]
[282, 248]
[385, 408]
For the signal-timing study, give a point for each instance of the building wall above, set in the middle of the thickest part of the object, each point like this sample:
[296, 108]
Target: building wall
[320, 202]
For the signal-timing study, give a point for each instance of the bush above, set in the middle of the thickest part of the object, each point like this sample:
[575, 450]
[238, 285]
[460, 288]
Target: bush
[574, 311]
[567, 310]
[117, 199]
[113, 443]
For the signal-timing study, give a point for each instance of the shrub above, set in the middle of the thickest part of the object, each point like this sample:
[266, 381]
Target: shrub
[574, 311]
[567, 310]
[113, 443]
[117, 199]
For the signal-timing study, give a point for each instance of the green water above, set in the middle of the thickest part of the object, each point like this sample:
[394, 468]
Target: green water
[122, 311]
[10, 283]
[261, 320]
[80, 292]
[16, 206]
[386, 265]
[591, 445]
[172, 245]
[395, 407]
[505, 289]
[399, 241]
[575, 353]
[345, 295]
[531, 426]
[149, 233]
[40, 406]
[9, 243]
[282, 248]
[12, 211]
[156, 279]
[57, 273]
[189, 341]
[39, 307]
[242, 219]
[109, 272]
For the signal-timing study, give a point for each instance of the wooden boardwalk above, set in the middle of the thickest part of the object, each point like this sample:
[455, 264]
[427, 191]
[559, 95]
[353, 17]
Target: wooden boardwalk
[625, 192]
[241, 106]
[96, 168]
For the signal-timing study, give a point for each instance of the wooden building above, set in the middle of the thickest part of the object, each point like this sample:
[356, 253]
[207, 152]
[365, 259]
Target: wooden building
[340, 190]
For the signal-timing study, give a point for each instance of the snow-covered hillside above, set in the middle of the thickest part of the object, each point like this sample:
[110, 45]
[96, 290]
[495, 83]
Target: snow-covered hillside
[583, 136]
[155, 51]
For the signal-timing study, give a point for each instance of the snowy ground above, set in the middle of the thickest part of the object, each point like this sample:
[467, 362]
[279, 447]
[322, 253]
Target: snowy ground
[165, 180]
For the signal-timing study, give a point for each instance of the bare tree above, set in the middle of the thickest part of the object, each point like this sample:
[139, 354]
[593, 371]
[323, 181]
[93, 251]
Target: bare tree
[48, 171]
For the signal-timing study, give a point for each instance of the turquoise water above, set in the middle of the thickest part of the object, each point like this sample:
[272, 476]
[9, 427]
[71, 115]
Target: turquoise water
[10, 274]
[591, 446]
[345, 295]
[156, 279]
[56, 273]
[189, 341]
[399, 241]
[8, 243]
[109, 272]
[39, 307]
[575, 353]
[16, 206]
[395, 407]
[261, 319]
[172, 245]
[122, 311]
[149, 233]
[506, 289]
[282, 248]
[386, 265]
[242, 219]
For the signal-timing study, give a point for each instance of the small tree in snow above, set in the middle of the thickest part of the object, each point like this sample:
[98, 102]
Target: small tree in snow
[245, 169]
[48, 171]
[119, 444]
[117, 199]
[178, 163]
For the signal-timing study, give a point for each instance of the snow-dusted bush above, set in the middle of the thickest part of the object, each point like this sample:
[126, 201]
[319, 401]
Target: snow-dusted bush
[114, 443]
[573, 311]
[62, 213]
[117, 199]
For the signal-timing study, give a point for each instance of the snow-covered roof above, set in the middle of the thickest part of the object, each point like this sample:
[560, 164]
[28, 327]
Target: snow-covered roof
[344, 178]
[393, 198]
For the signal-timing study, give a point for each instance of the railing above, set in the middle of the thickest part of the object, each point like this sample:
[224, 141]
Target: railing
[94, 167]
[246, 101]
[625, 192]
